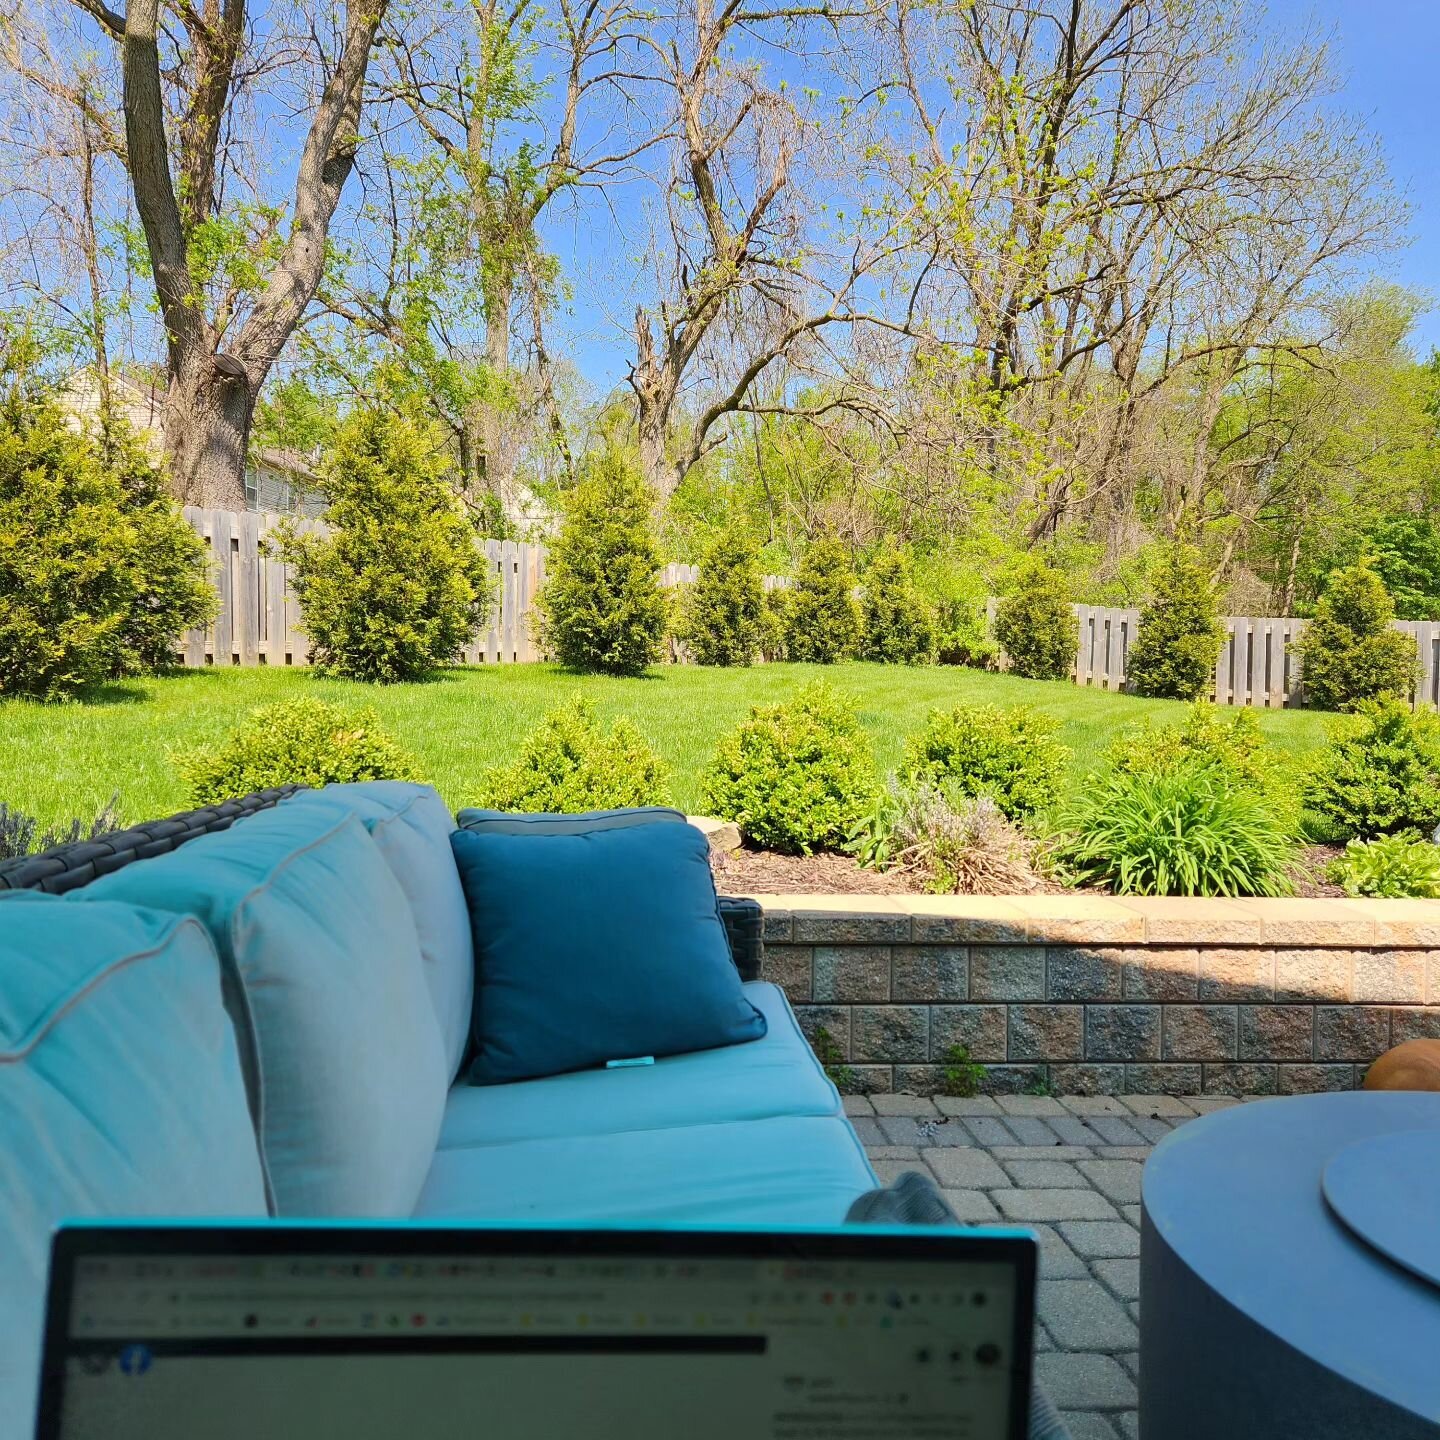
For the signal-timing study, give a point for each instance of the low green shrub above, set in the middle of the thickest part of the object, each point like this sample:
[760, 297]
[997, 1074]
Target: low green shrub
[832, 1059]
[1377, 775]
[1230, 740]
[396, 586]
[1010, 755]
[796, 777]
[295, 742]
[1348, 652]
[897, 623]
[601, 607]
[1179, 831]
[1180, 633]
[1035, 625]
[1393, 867]
[569, 765]
[21, 835]
[723, 618]
[822, 620]
[775, 624]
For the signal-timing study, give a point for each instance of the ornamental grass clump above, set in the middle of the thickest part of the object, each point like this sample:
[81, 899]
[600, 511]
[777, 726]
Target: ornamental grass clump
[1180, 830]
[296, 742]
[795, 777]
[569, 765]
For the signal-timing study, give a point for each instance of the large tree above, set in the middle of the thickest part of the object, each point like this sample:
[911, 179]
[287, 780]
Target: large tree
[233, 273]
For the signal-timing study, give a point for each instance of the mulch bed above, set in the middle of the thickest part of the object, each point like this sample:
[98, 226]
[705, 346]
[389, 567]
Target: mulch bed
[764, 872]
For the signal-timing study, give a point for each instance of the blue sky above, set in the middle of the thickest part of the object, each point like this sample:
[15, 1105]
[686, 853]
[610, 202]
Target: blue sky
[1386, 51]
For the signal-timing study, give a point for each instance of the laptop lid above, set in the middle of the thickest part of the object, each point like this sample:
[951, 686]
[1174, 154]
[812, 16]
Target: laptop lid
[428, 1333]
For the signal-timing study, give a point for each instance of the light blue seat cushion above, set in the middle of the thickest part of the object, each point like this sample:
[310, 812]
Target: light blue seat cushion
[412, 827]
[599, 946]
[775, 1075]
[787, 1170]
[120, 1094]
[325, 980]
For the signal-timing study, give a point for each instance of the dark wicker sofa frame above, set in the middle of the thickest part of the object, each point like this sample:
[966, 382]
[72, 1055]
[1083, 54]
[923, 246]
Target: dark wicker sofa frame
[68, 867]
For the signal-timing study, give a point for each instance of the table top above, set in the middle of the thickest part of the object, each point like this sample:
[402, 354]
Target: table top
[1238, 1197]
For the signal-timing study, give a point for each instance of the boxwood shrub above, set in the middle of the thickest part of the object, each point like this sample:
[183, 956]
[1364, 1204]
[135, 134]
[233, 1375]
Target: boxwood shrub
[796, 777]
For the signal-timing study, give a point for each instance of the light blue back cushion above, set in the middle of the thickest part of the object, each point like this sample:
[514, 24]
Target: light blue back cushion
[593, 947]
[120, 1094]
[412, 827]
[326, 981]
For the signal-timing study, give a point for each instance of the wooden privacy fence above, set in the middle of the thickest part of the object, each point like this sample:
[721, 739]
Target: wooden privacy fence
[1259, 662]
[259, 621]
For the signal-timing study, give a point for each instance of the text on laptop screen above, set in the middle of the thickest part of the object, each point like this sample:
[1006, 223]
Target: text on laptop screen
[520, 1347]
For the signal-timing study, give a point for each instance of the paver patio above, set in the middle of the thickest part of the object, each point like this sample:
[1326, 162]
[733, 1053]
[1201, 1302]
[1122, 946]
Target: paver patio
[1069, 1169]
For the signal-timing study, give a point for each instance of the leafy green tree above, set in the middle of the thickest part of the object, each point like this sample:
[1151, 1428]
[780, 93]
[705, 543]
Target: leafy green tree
[725, 621]
[1035, 625]
[398, 586]
[822, 620]
[1180, 635]
[602, 607]
[98, 571]
[1349, 652]
[897, 623]
[1405, 550]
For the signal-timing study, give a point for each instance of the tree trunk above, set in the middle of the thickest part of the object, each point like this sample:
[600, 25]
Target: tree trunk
[207, 431]
[654, 398]
[496, 431]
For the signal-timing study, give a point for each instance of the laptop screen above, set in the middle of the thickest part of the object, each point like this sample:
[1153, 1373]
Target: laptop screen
[426, 1335]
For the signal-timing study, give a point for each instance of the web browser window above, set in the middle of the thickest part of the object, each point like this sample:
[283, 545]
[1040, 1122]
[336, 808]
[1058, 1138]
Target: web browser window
[512, 1347]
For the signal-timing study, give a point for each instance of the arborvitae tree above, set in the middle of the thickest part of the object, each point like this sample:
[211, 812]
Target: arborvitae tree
[98, 570]
[822, 621]
[724, 621]
[602, 607]
[1035, 624]
[897, 623]
[398, 586]
[1180, 635]
[1349, 652]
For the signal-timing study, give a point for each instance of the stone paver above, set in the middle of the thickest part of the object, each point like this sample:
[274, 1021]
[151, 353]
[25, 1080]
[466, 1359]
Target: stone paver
[903, 1105]
[1030, 1105]
[858, 1105]
[1121, 1276]
[1045, 1174]
[1068, 1170]
[1053, 1205]
[1117, 1180]
[1081, 1316]
[1102, 1239]
[1083, 1380]
[966, 1170]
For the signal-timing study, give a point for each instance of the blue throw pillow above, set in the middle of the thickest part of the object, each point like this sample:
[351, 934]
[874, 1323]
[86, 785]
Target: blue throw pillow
[598, 946]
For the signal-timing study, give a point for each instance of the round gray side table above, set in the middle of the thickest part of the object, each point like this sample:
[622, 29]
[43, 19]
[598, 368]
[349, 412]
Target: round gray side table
[1262, 1313]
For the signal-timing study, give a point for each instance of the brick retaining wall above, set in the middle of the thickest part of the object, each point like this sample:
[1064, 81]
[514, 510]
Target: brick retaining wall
[1102, 996]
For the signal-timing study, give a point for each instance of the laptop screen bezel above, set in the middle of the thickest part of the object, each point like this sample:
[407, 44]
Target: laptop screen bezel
[946, 1245]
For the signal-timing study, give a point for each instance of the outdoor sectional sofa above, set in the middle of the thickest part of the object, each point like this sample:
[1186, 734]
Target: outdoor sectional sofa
[360, 1103]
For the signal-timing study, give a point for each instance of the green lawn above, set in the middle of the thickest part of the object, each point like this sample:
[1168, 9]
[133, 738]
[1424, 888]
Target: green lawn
[64, 760]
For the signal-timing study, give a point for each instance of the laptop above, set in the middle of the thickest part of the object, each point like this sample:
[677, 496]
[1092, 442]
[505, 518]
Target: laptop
[405, 1332]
